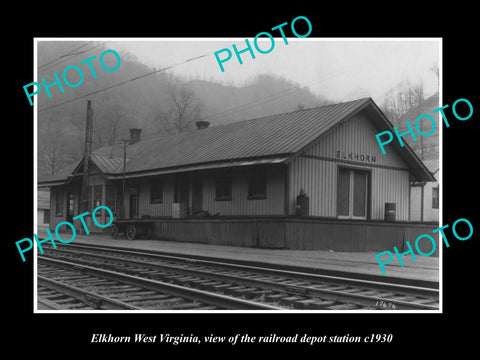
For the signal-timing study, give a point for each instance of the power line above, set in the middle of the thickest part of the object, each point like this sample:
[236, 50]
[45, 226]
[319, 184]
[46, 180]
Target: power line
[70, 56]
[123, 82]
[64, 55]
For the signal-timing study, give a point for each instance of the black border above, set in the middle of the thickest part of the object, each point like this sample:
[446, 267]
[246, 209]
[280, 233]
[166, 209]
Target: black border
[432, 332]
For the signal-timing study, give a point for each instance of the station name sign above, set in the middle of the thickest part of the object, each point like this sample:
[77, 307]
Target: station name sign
[355, 156]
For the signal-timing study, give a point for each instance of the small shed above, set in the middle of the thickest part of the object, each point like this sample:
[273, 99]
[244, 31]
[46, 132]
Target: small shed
[425, 196]
[43, 207]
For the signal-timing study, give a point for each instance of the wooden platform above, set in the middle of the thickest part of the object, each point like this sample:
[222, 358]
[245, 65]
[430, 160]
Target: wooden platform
[296, 233]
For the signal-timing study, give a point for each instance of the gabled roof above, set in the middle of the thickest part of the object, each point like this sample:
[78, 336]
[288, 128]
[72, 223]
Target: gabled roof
[60, 177]
[275, 138]
[269, 136]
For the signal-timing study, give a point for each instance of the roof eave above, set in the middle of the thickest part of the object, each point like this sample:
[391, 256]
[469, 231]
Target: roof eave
[267, 160]
[49, 183]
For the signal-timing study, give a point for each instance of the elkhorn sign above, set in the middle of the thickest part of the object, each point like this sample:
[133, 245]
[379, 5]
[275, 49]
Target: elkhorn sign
[355, 157]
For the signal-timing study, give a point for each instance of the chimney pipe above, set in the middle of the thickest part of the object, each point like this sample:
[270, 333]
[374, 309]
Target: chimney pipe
[134, 135]
[202, 124]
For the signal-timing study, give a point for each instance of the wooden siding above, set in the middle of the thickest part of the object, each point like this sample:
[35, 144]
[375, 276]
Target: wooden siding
[240, 203]
[297, 233]
[355, 235]
[262, 233]
[74, 188]
[390, 186]
[234, 233]
[316, 170]
[318, 179]
[54, 219]
[429, 213]
[144, 206]
[357, 136]
[416, 203]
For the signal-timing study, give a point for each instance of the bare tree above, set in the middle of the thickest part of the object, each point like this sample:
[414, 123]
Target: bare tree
[184, 109]
[53, 146]
[400, 100]
[418, 93]
[392, 107]
[107, 128]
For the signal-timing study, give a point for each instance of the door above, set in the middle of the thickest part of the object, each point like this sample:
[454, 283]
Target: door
[70, 202]
[352, 193]
[197, 197]
[181, 192]
[133, 206]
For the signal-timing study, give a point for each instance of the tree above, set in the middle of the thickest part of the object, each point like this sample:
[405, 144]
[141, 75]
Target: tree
[404, 97]
[53, 146]
[107, 128]
[184, 109]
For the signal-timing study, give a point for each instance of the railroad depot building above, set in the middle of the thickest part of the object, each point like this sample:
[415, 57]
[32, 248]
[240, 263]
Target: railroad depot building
[309, 179]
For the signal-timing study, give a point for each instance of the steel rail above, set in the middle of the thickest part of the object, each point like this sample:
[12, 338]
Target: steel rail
[414, 290]
[222, 301]
[305, 289]
[84, 296]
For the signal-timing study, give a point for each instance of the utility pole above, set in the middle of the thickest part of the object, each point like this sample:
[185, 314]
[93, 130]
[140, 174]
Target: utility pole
[122, 204]
[86, 155]
[421, 143]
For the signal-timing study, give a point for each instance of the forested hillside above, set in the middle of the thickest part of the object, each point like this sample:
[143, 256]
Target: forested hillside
[162, 104]
[158, 104]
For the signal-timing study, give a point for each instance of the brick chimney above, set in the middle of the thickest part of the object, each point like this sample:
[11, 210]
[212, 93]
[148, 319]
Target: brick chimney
[134, 135]
[202, 124]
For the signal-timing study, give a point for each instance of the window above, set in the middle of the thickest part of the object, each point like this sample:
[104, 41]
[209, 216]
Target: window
[435, 198]
[97, 195]
[352, 193]
[257, 187]
[59, 203]
[223, 189]
[46, 216]
[156, 192]
[70, 205]
[111, 198]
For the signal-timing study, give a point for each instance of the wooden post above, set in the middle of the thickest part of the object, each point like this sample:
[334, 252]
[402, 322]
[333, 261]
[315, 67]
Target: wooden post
[422, 202]
[122, 199]
[86, 156]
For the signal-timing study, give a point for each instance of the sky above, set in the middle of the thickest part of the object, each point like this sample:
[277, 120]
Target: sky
[338, 69]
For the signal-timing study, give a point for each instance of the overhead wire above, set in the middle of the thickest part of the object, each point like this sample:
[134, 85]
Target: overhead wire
[123, 82]
[72, 52]
[221, 113]
[71, 56]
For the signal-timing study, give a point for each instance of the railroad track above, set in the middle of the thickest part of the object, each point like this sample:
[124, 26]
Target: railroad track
[274, 288]
[64, 285]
